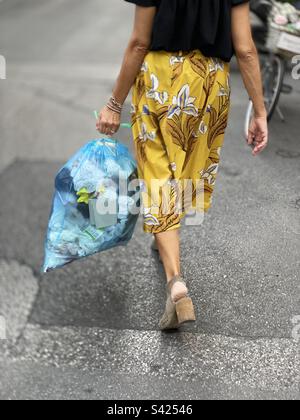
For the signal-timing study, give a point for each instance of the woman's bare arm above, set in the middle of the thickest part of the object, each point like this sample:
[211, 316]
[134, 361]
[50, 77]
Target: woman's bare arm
[249, 65]
[137, 49]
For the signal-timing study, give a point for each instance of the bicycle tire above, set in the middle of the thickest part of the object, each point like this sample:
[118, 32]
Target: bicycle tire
[281, 64]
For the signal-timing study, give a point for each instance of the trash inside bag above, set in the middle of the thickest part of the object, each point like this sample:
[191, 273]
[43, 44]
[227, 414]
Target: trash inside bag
[95, 206]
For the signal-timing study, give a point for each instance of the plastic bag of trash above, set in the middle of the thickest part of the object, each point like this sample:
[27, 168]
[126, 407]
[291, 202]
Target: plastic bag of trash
[95, 206]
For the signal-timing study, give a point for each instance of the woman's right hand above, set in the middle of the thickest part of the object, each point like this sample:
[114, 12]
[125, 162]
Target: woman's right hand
[258, 135]
[108, 122]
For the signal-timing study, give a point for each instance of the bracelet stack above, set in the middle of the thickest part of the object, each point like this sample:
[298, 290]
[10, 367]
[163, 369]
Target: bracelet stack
[114, 106]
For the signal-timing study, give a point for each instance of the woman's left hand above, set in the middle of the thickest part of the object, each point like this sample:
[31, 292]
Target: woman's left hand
[108, 122]
[258, 135]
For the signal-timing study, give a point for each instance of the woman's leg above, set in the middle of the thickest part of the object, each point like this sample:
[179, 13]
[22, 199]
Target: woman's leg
[169, 248]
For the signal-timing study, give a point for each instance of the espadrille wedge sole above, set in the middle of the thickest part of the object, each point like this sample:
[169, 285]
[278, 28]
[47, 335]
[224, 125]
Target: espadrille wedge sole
[185, 311]
[177, 313]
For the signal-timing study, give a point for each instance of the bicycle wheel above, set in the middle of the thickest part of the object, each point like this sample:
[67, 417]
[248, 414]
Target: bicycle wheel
[273, 75]
[273, 72]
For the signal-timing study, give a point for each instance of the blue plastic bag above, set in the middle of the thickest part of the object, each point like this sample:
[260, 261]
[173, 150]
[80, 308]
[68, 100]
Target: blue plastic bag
[93, 208]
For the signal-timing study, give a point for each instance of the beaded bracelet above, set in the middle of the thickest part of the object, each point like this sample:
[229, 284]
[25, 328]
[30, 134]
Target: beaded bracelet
[114, 106]
[111, 108]
[114, 101]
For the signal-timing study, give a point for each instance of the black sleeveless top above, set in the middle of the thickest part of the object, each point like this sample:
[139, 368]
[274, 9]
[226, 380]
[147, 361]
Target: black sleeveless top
[186, 25]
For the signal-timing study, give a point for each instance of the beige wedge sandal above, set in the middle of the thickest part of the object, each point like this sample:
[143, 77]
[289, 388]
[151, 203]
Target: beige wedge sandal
[169, 320]
[177, 313]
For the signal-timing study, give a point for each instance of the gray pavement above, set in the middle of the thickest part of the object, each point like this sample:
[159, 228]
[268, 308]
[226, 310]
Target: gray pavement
[90, 330]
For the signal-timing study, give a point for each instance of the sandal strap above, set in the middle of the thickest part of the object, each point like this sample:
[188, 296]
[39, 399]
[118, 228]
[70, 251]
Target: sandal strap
[176, 279]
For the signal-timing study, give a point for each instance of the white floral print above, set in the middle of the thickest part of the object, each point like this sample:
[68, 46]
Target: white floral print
[176, 60]
[173, 166]
[133, 109]
[222, 92]
[188, 124]
[183, 103]
[210, 174]
[146, 135]
[203, 128]
[145, 67]
[153, 93]
[216, 65]
[149, 219]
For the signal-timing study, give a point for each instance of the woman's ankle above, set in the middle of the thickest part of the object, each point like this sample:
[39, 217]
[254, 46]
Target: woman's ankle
[171, 276]
[178, 291]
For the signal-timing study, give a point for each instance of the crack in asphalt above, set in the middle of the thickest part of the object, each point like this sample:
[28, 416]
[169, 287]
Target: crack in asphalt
[48, 326]
[195, 333]
[13, 342]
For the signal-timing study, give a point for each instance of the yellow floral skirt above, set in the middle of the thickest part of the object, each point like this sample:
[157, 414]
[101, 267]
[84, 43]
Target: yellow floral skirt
[180, 107]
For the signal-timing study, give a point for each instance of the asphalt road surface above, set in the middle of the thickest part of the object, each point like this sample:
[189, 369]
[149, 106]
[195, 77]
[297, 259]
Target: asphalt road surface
[91, 330]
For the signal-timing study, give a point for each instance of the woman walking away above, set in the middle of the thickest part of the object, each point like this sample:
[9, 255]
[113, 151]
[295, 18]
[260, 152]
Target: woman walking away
[177, 62]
